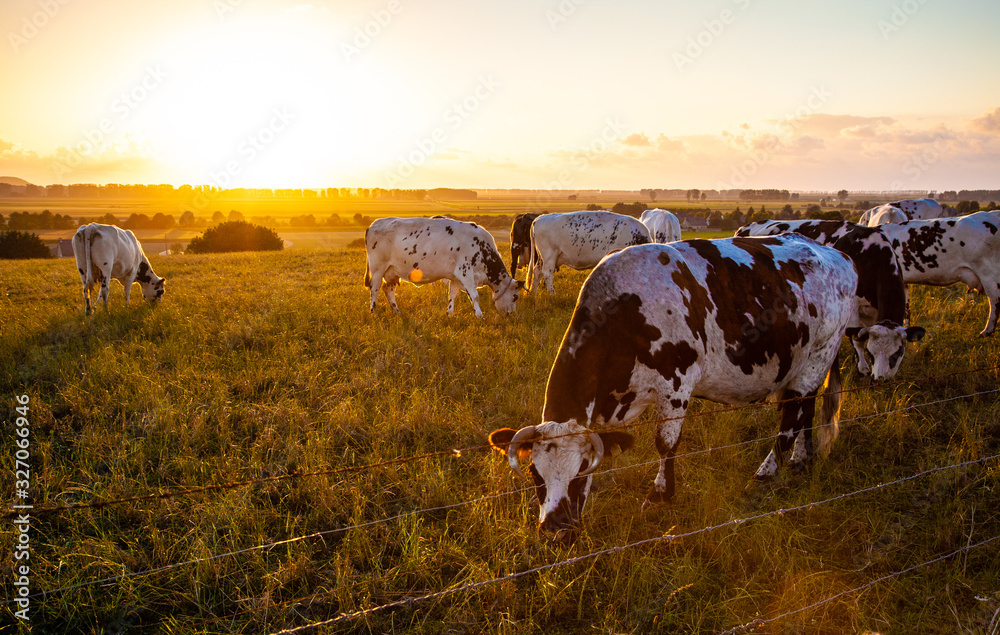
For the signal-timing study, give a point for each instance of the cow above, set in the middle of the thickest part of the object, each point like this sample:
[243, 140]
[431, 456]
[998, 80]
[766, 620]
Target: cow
[104, 252]
[578, 240]
[920, 208]
[520, 241]
[879, 330]
[422, 250]
[943, 251]
[663, 226]
[882, 215]
[733, 321]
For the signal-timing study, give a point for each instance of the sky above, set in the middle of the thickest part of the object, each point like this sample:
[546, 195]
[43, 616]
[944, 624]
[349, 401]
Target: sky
[535, 94]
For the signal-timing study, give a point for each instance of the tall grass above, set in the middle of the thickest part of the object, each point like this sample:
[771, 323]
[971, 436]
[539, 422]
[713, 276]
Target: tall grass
[258, 365]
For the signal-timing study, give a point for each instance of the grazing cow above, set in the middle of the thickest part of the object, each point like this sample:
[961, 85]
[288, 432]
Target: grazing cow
[423, 250]
[733, 321]
[943, 251]
[876, 330]
[920, 208]
[663, 226]
[578, 240]
[520, 241]
[882, 215]
[104, 252]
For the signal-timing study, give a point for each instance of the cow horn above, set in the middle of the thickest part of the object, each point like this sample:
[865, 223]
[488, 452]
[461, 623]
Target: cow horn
[520, 437]
[595, 439]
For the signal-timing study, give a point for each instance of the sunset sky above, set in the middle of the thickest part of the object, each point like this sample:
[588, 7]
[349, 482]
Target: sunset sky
[540, 94]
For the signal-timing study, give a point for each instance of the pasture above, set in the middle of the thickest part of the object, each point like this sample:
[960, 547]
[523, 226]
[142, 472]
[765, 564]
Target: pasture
[259, 370]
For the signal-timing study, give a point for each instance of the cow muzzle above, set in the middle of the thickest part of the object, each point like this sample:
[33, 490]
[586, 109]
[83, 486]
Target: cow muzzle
[559, 525]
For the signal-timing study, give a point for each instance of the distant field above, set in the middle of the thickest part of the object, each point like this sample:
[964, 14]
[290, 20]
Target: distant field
[261, 365]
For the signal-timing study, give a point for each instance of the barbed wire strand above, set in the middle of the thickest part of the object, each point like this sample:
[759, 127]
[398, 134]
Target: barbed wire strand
[443, 507]
[669, 538]
[753, 624]
[451, 452]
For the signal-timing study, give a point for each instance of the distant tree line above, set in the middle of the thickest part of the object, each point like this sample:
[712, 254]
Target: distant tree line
[765, 195]
[37, 220]
[18, 245]
[118, 190]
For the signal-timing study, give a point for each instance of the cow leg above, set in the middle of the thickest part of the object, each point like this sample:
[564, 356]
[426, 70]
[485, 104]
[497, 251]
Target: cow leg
[86, 296]
[992, 290]
[470, 289]
[668, 436]
[105, 281]
[375, 285]
[390, 294]
[795, 430]
[128, 290]
[453, 290]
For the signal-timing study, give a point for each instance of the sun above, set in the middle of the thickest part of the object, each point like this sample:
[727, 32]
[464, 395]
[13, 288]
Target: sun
[258, 103]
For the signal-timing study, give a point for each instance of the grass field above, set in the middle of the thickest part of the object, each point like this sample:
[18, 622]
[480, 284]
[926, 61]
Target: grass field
[261, 365]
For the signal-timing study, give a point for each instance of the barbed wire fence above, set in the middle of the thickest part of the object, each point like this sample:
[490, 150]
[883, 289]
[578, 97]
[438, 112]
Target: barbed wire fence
[459, 452]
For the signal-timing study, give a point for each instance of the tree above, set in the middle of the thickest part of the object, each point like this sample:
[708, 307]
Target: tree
[15, 245]
[236, 236]
[967, 207]
[842, 195]
[235, 215]
[704, 196]
[187, 219]
[217, 218]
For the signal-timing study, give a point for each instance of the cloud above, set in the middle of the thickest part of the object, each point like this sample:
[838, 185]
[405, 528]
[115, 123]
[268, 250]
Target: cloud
[637, 140]
[989, 123]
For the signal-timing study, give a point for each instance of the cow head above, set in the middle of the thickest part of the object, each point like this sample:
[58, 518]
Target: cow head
[563, 458]
[152, 285]
[505, 297]
[883, 346]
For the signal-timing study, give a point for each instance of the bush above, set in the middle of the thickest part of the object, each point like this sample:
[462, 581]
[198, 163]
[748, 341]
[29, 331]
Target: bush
[15, 245]
[235, 236]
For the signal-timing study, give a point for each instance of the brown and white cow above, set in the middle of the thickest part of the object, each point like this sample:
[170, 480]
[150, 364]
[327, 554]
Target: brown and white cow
[877, 331]
[422, 250]
[943, 251]
[921, 208]
[663, 226]
[578, 240]
[520, 241]
[732, 321]
[104, 252]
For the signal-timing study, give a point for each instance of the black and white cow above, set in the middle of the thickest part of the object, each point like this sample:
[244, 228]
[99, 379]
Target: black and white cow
[882, 215]
[104, 252]
[663, 226]
[920, 208]
[733, 321]
[877, 331]
[943, 251]
[578, 240]
[520, 241]
[422, 250]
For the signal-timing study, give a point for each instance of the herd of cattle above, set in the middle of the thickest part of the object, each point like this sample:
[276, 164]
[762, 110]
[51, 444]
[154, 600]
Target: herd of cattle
[660, 321]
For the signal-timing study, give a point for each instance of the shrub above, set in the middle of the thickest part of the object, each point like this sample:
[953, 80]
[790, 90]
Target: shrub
[235, 236]
[15, 245]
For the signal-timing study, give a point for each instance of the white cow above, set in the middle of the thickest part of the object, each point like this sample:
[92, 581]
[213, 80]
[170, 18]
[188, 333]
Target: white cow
[663, 226]
[578, 240]
[104, 252]
[422, 250]
[882, 215]
[943, 251]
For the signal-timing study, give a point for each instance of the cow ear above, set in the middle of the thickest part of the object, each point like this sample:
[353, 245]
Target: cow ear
[623, 440]
[857, 333]
[915, 333]
[500, 439]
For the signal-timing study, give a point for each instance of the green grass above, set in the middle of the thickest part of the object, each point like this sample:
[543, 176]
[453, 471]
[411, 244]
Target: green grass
[258, 365]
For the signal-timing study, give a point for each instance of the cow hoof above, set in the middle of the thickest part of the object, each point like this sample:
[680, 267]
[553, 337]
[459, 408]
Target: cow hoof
[655, 497]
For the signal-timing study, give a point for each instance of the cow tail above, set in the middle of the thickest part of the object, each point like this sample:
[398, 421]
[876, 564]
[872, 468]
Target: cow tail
[533, 261]
[832, 399]
[368, 275]
[89, 267]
